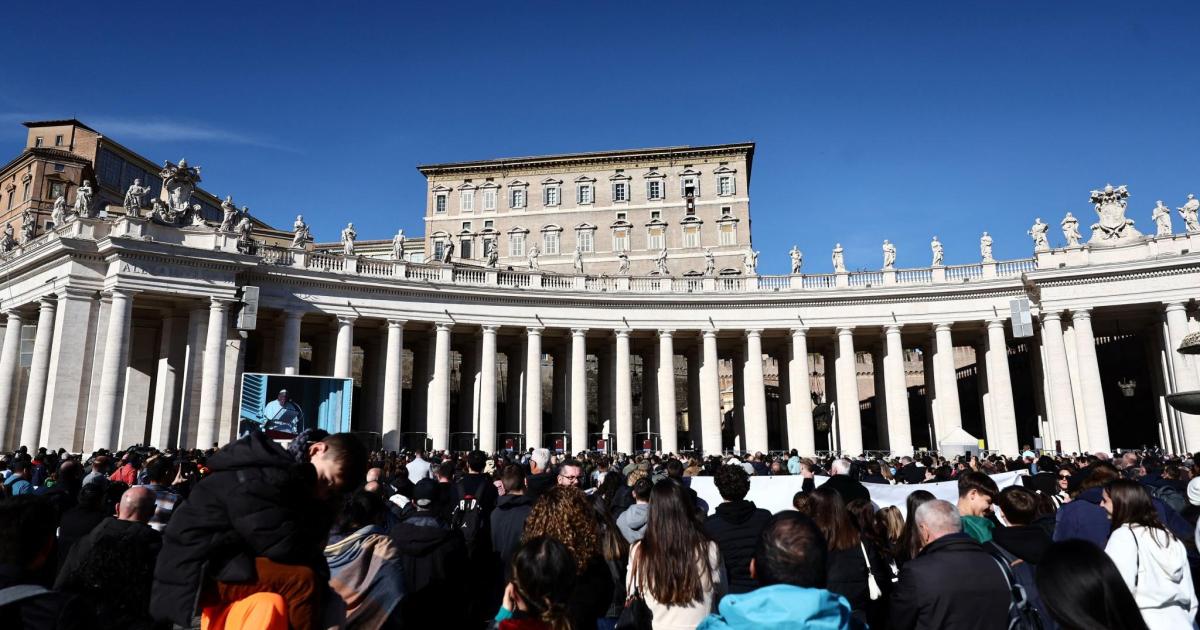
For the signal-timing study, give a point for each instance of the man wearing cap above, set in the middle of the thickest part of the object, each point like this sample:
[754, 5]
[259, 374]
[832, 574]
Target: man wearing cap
[435, 560]
[282, 414]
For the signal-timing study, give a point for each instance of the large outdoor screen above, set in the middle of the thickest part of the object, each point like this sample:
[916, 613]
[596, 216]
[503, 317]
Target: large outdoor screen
[283, 405]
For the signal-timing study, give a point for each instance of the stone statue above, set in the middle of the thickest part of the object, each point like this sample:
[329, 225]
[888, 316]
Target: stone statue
[1038, 232]
[660, 263]
[623, 264]
[1189, 212]
[493, 255]
[578, 261]
[135, 198]
[1070, 228]
[889, 255]
[839, 260]
[985, 248]
[160, 212]
[83, 200]
[534, 252]
[179, 182]
[198, 217]
[300, 233]
[710, 262]
[1162, 219]
[229, 213]
[1110, 206]
[398, 242]
[58, 215]
[244, 230]
[28, 225]
[750, 261]
[939, 252]
[797, 259]
[348, 236]
[448, 252]
[9, 241]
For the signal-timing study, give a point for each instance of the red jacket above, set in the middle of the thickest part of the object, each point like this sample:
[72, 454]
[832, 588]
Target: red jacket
[126, 474]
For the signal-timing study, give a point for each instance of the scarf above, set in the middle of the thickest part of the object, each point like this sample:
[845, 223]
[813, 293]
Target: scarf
[366, 571]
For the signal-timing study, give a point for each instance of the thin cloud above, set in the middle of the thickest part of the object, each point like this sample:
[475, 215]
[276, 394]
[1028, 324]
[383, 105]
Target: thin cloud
[174, 131]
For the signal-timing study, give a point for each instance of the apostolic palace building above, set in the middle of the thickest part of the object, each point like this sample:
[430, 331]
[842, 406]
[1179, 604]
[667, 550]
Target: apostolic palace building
[571, 301]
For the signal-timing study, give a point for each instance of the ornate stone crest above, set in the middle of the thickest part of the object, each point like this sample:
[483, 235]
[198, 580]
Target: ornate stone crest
[179, 182]
[1110, 206]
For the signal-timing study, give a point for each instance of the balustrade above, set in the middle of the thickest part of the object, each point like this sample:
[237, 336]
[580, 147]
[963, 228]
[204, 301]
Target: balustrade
[820, 281]
[964, 272]
[866, 278]
[914, 276]
[1009, 268]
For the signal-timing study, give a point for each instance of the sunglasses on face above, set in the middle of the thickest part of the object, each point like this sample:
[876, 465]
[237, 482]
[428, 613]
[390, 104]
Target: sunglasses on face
[1066, 476]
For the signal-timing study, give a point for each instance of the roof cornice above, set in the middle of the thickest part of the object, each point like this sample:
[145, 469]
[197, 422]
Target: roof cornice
[600, 157]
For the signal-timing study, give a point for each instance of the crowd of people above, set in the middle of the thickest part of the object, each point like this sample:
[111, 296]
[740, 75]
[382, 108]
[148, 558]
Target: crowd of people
[321, 533]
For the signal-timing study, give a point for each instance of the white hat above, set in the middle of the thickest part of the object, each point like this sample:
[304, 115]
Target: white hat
[1193, 491]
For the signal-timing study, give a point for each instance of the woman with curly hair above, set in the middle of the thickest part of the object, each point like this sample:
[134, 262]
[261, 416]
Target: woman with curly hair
[675, 567]
[565, 514]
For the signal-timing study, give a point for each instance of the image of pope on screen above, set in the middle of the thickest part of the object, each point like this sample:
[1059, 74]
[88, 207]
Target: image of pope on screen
[284, 405]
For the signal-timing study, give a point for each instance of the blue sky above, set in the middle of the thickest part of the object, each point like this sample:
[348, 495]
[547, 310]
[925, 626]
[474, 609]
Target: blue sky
[873, 120]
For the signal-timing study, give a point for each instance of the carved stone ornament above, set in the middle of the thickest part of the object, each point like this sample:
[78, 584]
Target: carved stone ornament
[985, 248]
[135, 198]
[839, 259]
[1038, 232]
[1190, 212]
[1162, 219]
[1113, 226]
[710, 262]
[797, 259]
[179, 182]
[889, 254]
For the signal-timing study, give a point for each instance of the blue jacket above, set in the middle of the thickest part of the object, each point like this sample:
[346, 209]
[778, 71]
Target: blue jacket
[782, 606]
[1084, 519]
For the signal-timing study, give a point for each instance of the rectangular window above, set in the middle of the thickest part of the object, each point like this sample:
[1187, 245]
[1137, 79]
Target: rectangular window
[489, 200]
[728, 235]
[621, 240]
[440, 204]
[550, 242]
[583, 238]
[691, 237]
[28, 332]
[467, 201]
[620, 192]
[38, 141]
[585, 194]
[725, 185]
[58, 168]
[58, 140]
[25, 194]
[516, 244]
[689, 186]
[57, 189]
[654, 239]
[489, 224]
[655, 215]
[466, 226]
[622, 216]
[464, 248]
[550, 195]
[726, 211]
[654, 189]
[516, 198]
[439, 249]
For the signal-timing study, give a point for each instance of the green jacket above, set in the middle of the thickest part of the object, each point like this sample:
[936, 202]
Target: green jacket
[978, 528]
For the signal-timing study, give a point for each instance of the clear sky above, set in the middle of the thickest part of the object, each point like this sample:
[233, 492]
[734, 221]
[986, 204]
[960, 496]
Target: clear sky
[873, 120]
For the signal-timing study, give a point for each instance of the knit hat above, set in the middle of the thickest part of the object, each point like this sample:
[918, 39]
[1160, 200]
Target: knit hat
[1193, 491]
[424, 493]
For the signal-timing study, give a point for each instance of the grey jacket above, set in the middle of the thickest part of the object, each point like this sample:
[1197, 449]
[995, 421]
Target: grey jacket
[632, 522]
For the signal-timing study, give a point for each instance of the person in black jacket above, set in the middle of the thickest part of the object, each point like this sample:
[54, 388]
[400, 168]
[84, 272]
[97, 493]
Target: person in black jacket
[435, 563]
[953, 583]
[1020, 537]
[77, 521]
[540, 478]
[26, 547]
[480, 572]
[261, 514]
[508, 520]
[736, 526]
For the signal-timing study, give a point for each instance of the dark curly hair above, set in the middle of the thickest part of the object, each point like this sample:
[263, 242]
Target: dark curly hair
[732, 482]
[564, 514]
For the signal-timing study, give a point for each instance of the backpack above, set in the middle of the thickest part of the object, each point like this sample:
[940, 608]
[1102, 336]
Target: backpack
[1170, 496]
[1025, 611]
[467, 518]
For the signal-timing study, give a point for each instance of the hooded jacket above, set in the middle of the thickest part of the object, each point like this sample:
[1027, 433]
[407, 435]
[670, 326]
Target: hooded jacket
[1155, 568]
[632, 522]
[256, 501]
[736, 527]
[782, 607]
[508, 523]
[435, 561]
[1083, 518]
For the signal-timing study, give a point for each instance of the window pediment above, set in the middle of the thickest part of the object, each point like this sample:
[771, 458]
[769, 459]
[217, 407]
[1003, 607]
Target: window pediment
[489, 185]
[584, 179]
[516, 183]
[725, 170]
[691, 172]
[654, 175]
[616, 177]
[552, 228]
[441, 189]
[518, 230]
[656, 223]
[550, 181]
[466, 186]
[585, 226]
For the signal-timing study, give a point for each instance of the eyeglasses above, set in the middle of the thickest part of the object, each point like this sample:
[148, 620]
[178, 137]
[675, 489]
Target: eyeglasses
[1066, 476]
[569, 478]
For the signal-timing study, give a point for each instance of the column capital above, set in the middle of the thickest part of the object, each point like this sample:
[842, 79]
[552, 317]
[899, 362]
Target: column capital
[534, 330]
[622, 332]
[1174, 306]
[942, 326]
[440, 326]
[1051, 316]
[489, 329]
[289, 314]
[753, 332]
[347, 319]
[891, 329]
[47, 303]
[995, 322]
[219, 303]
[799, 331]
[13, 314]
[845, 330]
[579, 332]
[709, 333]
[665, 333]
[80, 293]
[1081, 314]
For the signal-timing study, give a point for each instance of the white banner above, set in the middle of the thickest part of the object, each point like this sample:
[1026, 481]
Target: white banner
[775, 493]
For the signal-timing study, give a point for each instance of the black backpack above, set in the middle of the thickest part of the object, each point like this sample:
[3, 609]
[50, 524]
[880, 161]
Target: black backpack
[1173, 498]
[467, 518]
[1025, 611]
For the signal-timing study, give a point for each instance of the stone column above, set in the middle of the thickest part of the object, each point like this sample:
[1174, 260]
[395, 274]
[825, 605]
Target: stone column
[533, 387]
[1185, 377]
[438, 417]
[289, 343]
[10, 358]
[754, 392]
[211, 373]
[667, 426]
[69, 383]
[710, 396]
[35, 392]
[579, 392]
[487, 389]
[799, 406]
[343, 355]
[1062, 406]
[896, 392]
[693, 395]
[624, 394]
[849, 417]
[1004, 413]
[393, 384]
[112, 376]
[172, 349]
[946, 377]
[1089, 382]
